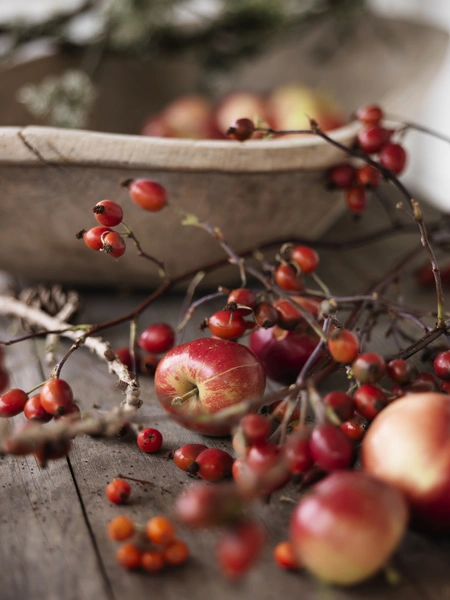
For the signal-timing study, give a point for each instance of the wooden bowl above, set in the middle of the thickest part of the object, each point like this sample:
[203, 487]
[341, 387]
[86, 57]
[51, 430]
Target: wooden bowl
[253, 192]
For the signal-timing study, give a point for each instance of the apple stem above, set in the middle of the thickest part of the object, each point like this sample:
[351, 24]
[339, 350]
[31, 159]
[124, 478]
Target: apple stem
[179, 400]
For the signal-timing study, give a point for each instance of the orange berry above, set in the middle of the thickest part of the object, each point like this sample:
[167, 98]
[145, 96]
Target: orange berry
[120, 528]
[153, 561]
[283, 555]
[129, 556]
[160, 530]
[177, 553]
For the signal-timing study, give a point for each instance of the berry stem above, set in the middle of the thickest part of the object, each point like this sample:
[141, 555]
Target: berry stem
[179, 400]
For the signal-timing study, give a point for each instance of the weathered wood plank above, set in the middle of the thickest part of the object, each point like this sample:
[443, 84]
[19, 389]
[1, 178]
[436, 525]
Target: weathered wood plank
[45, 547]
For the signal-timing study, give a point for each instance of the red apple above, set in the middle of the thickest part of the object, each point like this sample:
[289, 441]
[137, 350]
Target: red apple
[408, 445]
[347, 527]
[291, 106]
[188, 117]
[282, 353]
[215, 374]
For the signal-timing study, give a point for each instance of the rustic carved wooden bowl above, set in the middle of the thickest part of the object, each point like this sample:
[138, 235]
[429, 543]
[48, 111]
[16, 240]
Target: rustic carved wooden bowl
[51, 178]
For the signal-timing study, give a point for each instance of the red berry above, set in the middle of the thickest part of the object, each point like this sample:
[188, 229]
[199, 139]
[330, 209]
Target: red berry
[369, 367]
[355, 428]
[341, 403]
[176, 553]
[343, 346]
[149, 440]
[56, 396]
[129, 556]
[342, 176]
[368, 177]
[400, 371]
[287, 278]
[245, 297]
[441, 365]
[298, 453]
[160, 530]
[73, 411]
[157, 338]
[356, 199]
[148, 364]
[370, 401]
[34, 411]
[239, 548]
[288, 316]
[120, 528]
[445, 387]
[152, 561]
[373, 139]
[369, 114]
[424, 382]
[255, 428]
[12, 403]
[94, 237]
[267, 466]
[305, 257]
[284, 556]
[393, 157]
[213, 464]
[118, 491]
[108, 213]
[226, 325]
[277, 410]
[124, 355]
[114, 244]
[204, 505]
[241, 130]
[266, 315]
[149, 195]
[330, 448]
[186, 455]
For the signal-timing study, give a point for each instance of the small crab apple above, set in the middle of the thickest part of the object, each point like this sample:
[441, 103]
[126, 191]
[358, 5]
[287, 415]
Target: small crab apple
[343, 346]
[348, 525]
[56, 396]
[330, 448]
[196, 380]
[114, 244]
[118, 491]
[373, 139]
[108, 213]
[12, 403]
[149, 440]
[341, 404]
[157, 338]
[267, 469]
[149, 195]
[255, 428]
[393, 157]
[370, 400]
[227, 325]
[203, 505]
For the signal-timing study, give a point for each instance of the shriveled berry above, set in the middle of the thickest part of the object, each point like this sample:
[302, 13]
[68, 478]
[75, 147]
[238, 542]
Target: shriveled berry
[149, 195]
[149, 440]
[118, 491]
[120, 528]
[12, 403]
[108, 213]
[266, 315]
[369, 367]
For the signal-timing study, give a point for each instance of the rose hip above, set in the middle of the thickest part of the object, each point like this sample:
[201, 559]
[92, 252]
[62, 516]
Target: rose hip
[213, 464]
[186, 455]
[12, 403]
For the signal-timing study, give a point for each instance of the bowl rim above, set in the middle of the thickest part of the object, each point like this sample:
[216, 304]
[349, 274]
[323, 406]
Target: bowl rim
[45, 146]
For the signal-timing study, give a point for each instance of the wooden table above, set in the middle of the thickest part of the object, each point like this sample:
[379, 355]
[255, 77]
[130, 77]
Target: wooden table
[53, 542]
